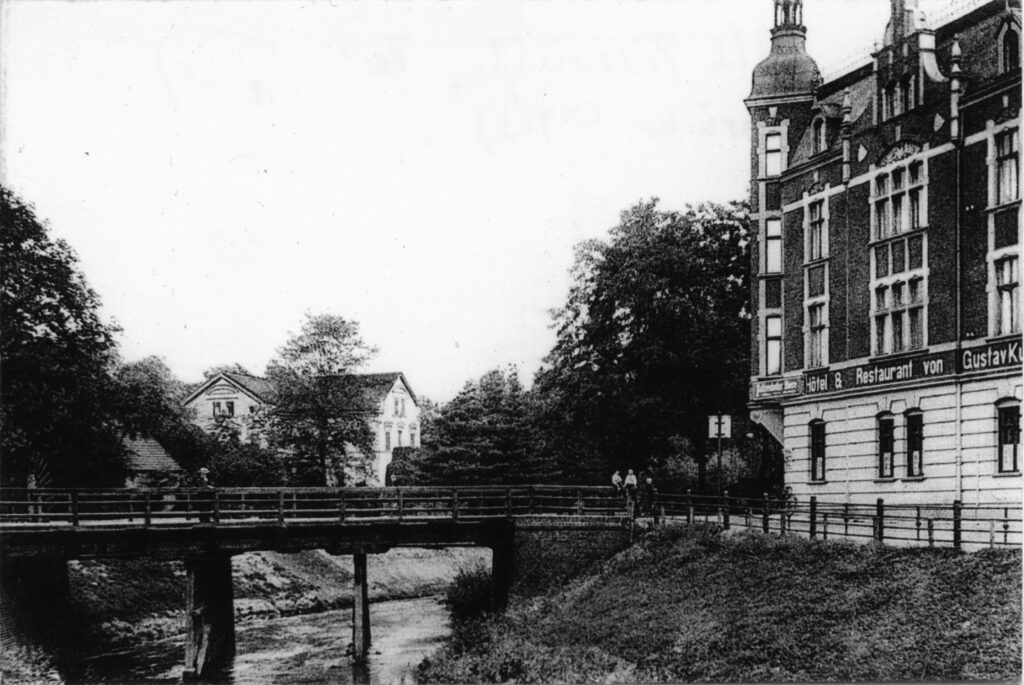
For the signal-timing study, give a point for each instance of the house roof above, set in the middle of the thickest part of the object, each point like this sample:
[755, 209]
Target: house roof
[146, 454]
[374, 386]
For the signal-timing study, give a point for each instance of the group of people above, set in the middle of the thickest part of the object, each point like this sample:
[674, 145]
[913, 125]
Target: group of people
[641, 498]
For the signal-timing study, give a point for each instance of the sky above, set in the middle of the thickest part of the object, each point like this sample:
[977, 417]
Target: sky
[423, 168]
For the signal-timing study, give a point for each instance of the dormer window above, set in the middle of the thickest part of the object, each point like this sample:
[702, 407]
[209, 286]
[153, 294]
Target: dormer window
[907, 94]
[820, 132]
[1010, 50]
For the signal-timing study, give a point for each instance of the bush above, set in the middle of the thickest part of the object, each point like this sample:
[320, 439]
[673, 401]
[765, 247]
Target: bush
[469, 596]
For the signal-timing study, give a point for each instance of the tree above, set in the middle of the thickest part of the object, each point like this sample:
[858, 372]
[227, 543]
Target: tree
[485, 435]
[321, 412]
[653, 338]
[58, 420]
[225, 368]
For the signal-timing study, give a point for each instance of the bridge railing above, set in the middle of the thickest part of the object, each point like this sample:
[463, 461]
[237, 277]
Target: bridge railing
[151, 507]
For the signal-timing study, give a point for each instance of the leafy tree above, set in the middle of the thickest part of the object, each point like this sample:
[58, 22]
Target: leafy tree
[237, 463]
[225, 368]
[321, 411]
[58, 420]
[653, 338]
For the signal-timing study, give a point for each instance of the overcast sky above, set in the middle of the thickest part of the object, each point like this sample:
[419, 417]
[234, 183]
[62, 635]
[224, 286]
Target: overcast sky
[422, 168]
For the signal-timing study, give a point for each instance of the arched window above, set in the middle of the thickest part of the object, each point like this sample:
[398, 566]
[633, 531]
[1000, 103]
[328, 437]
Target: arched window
[1011, 50]
[817, 450]
[915, 443]
[886, 446]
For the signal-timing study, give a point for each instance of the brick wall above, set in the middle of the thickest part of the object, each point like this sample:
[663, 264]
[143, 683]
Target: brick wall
[548, 555]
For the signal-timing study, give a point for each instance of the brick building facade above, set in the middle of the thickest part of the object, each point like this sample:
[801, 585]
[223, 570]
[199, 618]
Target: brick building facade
[886, 344]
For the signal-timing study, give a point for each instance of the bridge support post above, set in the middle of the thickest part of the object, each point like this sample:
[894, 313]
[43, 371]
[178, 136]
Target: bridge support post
[503, 568]
[360, 609]
[209, 615]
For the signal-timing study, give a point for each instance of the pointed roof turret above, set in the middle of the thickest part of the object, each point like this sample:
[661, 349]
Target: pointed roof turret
[788, 69]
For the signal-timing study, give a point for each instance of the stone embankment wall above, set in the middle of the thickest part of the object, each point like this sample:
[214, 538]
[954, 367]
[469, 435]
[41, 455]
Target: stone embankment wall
[549, 552]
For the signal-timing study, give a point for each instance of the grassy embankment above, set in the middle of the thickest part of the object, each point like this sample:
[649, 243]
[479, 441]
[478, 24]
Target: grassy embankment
[680, 608]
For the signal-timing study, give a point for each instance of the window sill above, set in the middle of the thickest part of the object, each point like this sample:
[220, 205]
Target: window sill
[912, 479]
[885, 480]
[815, 262]
[817, 482]
[1006, 474]
[898, 356]
[897, 236]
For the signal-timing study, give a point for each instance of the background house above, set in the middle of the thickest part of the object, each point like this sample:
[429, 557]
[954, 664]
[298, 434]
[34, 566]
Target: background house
[149, 465]
[393, 412]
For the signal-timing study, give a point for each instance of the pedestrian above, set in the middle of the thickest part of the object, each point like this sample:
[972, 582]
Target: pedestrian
[789, 505]
[617, 482]
[631, 492]
[205, 496]
[648, 497]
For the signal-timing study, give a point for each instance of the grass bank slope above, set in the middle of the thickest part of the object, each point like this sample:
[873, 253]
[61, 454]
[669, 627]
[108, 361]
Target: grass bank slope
[680, 608]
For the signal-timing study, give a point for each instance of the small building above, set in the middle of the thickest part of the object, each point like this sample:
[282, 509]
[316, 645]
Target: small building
[149, 464]
[388, 400]
[886, 338]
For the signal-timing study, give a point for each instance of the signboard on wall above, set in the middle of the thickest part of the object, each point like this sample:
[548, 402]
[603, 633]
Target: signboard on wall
[776, 387]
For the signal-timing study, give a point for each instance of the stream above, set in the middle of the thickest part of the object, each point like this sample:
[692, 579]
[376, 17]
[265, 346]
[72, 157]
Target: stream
[298, 649]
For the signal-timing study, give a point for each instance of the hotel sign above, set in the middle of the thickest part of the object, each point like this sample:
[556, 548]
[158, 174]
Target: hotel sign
[996, 355]
[880, 373]
[776, 387]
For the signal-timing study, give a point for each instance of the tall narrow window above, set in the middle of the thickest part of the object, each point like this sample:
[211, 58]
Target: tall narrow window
[230, 408]
[412, 438]
[820, 144]
[915, 444]
[817, 450]
[773, 154]
[883, 218]
[1009, 438]
[773, 345]
[886, 446]
[1006, 166]
[399, 443]
[817, 231]
[1011, 50]
[387, 440]
[905, 94]
[816, 332]
[773, 246]
[1008, 289]
[217, 411]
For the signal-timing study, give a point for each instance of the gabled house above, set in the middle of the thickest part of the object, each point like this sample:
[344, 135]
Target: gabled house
[388, 399]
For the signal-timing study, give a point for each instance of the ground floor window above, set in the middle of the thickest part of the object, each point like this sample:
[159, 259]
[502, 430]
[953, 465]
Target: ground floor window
[818, 450]
[1009, 438]
[886, 446]
[915, 444]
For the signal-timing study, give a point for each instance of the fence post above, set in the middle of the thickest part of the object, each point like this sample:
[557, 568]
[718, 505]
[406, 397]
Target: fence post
[455, 504]
[341, 505]
[880, 520]
[725, 517]
[1006, 525]
[764, 515]
[846, 519]
[508, 502]
[74, 508]
[689, 507]
[824, 526]
[814, 517]
[931, 533]
[216, 506]
[401, 503]
[149, 510]
[579, 502]
[917, 522]
[957, 506]
[280, 506]
[991, 533]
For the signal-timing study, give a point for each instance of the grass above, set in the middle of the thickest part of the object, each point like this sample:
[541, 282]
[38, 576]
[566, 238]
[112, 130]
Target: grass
[749, 608]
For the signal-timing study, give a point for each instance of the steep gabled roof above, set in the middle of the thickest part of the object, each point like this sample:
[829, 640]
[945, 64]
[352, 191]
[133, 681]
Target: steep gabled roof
[258, 388]
[146, 454]
[374, 386]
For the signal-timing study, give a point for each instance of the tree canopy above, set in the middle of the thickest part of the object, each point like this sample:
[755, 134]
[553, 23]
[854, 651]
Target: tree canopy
[653, 338]
[58, 418]
[320, 411]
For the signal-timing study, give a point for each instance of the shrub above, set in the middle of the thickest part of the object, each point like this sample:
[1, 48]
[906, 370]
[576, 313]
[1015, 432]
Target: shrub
[469, 596]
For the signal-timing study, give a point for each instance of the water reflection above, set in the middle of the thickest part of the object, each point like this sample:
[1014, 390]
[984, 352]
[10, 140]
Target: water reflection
[299, 649]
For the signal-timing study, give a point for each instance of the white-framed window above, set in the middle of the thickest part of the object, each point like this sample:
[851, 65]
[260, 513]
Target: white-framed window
[886, 446]
[773, 154]
[1008, 428]
[773, 345]
[915, 443]
[1007, 269]
[773, 246]
[817, 335]
[387, 440]
[817, 231]
[1007, 147]
[899, 197]
[899, 311]
[817, 440]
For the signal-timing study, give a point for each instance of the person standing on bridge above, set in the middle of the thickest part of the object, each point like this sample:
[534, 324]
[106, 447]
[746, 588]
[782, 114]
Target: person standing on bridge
[205, 495]
[617, 482]
[631, 492]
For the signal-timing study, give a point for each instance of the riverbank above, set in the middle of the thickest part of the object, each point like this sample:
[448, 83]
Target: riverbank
[119, 604]
[679, 607]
